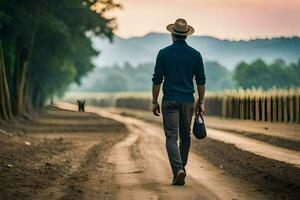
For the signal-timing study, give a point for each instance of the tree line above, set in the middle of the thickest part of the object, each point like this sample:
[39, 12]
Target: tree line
[126, 77]
[260, 74]
[45, 46]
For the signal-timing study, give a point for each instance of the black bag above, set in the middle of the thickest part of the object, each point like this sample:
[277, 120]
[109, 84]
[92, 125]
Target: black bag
[199, 130]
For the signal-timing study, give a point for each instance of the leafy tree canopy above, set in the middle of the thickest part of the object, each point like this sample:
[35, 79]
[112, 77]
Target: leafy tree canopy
[260, 74]
[47, 45]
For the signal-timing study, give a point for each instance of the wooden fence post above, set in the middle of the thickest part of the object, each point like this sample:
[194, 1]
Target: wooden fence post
[232, 108]
[279, 115]
[285, 109]
[245, 108]
[257, 108]
[268, 99]
[224, 107]
[291, 108]
[238, 107]
[260, 108]
[263, 114]
[252, 108]
[228, 107]
[297, 109]
[275, 108]
[242, 108]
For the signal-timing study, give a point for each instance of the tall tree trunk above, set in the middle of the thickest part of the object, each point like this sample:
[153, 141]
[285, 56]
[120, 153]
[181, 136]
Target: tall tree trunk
[20, 75]
[5, 100]
[9, 58]
[27, 98]
[19, 82]
[3, 113]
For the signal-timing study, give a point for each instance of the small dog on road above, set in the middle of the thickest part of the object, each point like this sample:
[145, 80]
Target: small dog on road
[81, 105]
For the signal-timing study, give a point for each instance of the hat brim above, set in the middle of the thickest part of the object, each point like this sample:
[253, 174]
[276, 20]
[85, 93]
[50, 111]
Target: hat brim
[170, 28]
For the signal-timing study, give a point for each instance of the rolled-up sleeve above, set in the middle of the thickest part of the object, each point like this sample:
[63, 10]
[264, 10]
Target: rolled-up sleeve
[199, 71]
[158, 70]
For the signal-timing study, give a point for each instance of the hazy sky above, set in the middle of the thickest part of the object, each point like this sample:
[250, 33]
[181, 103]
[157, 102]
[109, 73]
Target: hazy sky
[232, 19]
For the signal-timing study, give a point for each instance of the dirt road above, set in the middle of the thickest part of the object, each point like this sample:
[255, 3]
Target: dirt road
[72, 155]
[143, 172]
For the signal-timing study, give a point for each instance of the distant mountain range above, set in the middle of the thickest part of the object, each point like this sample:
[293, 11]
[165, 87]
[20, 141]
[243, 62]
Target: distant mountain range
[229, 53]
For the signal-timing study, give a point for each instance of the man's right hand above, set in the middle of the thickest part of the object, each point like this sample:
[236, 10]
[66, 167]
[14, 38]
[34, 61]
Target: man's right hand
[156, 109]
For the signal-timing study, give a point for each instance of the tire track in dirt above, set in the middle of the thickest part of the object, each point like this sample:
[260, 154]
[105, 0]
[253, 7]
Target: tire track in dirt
[74, 158]
[209, 181]
[128, 172]
[273, 178]
[144, 174]
[257, 147]
[86, 182]
[88, 173]
[90, 176]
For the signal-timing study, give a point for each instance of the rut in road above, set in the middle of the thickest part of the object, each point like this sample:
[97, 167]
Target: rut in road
[88, 173]
[144, 174]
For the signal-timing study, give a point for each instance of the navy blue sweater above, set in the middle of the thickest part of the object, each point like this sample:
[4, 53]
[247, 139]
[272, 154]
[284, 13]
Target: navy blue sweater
[176, 66]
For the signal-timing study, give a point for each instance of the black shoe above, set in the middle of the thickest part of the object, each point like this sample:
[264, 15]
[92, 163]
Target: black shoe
[179, 179]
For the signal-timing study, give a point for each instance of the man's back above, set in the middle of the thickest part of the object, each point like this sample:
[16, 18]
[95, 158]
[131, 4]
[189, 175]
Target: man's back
[177, 64]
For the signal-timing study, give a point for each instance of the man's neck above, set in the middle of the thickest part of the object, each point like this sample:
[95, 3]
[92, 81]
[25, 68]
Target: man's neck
[179, 41]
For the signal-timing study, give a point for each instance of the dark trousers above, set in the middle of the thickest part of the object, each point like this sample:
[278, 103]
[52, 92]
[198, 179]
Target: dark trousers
[177, 118]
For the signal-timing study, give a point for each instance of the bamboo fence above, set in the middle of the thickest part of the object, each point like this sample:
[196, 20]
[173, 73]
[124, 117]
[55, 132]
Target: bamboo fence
[275, 105]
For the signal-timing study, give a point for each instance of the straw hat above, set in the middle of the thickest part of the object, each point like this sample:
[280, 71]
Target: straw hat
[180, 27]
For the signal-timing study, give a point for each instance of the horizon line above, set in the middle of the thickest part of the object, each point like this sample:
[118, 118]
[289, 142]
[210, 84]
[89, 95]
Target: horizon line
[211, 36]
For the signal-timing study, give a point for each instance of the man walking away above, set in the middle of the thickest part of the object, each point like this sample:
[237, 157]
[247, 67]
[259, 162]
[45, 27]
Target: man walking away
[177, 66]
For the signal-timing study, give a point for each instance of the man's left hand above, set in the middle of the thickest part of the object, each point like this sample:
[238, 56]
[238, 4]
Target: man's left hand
[199, 108]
